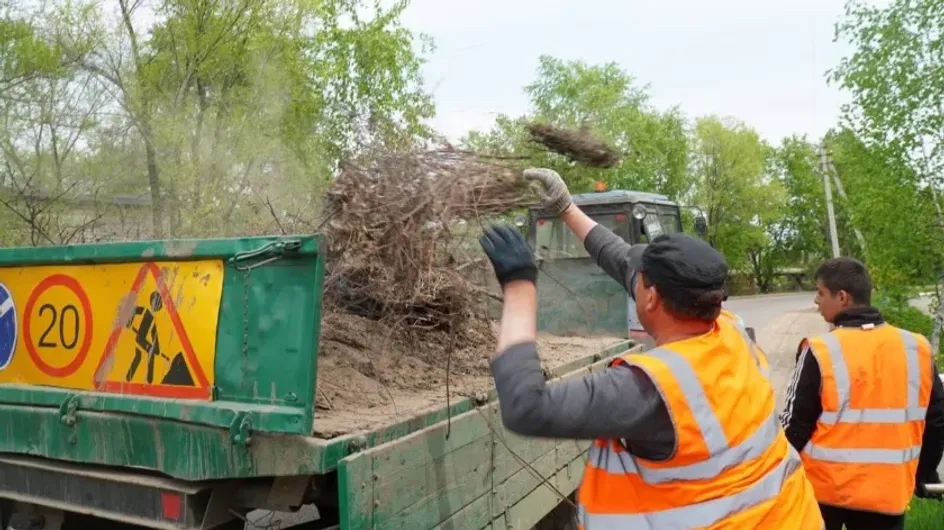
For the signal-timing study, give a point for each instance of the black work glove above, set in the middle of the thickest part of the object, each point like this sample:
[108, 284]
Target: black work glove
[509, 254]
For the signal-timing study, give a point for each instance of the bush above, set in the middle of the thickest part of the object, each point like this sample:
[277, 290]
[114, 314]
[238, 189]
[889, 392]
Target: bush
[910, 318]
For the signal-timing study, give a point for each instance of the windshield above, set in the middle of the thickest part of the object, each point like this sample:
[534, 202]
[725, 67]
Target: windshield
[660, 220]
[670, 219]
[554, 240]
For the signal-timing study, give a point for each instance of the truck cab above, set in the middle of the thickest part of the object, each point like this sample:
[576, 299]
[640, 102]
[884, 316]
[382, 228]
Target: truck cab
[576, 297]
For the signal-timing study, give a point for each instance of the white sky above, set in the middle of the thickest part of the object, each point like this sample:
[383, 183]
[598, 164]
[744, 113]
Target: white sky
[762, 61]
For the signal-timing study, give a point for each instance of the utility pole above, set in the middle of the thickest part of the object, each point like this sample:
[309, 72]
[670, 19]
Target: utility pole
[842, 195]
[824, 168]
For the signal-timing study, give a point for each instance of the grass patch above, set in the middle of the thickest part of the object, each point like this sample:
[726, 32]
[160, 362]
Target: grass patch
[925, 514]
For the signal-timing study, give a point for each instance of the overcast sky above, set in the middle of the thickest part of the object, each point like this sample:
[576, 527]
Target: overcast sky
[762, 61]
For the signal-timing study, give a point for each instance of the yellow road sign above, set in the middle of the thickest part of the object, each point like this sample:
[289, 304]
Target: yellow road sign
[129, 328]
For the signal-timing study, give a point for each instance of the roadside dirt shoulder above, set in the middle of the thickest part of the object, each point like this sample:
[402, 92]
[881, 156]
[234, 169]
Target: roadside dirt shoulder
[780, 338]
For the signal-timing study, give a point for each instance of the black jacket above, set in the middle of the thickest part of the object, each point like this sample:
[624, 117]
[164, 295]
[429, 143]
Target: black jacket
[803, 407]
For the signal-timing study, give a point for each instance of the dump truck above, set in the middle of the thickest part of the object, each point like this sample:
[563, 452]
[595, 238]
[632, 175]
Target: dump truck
[174, 385]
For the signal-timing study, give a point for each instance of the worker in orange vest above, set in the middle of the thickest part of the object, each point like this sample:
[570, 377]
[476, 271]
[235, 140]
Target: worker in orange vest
[865, 407]
[684, 435]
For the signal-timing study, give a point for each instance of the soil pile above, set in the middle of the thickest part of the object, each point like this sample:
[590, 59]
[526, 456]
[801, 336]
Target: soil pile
[406, 292]
[370, 374]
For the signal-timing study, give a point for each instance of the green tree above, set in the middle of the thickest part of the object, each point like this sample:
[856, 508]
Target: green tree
[243, 110]
[46, 107]
[608, 101]
[24, 53]
[797, 167]
[894, 77]
[741, 201]
[893, 212]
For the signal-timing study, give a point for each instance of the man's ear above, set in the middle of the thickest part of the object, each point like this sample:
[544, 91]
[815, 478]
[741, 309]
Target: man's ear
[844, 298]
[654, 299]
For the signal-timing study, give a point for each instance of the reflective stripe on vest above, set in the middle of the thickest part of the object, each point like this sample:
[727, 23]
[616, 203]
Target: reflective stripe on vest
[702, 514]
[622, 463]
[752, 346]
[846, 414]
[863, 456]
[723, 456]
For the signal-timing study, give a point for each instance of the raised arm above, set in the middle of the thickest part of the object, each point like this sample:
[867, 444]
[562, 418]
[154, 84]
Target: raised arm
[620, 402]
[606, 248]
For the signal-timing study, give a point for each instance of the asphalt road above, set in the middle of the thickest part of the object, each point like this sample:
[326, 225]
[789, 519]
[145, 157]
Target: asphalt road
[759, 311]
[780, 322]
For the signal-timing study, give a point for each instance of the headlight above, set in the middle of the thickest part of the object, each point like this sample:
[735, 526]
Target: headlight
[639, 212]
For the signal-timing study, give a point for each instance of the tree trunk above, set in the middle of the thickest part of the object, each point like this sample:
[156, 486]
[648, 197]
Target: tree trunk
[938, 320]
[154, 181]
[938, 324]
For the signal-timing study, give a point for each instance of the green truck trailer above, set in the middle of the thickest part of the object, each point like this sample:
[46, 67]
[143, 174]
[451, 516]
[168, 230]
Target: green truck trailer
[172, 384]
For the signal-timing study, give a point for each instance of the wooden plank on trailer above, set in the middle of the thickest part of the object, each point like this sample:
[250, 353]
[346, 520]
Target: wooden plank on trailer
[427, 479]
[525, 481]
[355, 491]
[422, 497]
[475, 516]
[520, 483]
[526, 513]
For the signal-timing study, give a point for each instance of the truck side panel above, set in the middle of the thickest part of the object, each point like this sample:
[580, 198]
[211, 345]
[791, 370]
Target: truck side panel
[463, 473]
[184, 330]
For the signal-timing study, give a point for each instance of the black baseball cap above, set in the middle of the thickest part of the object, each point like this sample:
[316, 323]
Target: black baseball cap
[680, 261]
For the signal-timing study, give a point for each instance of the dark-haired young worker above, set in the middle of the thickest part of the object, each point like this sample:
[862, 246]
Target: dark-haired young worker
[865, 407]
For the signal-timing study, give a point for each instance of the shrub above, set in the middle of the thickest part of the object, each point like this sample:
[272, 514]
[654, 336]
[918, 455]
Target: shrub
[906, 317]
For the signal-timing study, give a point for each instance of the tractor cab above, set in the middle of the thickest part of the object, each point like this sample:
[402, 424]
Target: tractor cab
[576, 297]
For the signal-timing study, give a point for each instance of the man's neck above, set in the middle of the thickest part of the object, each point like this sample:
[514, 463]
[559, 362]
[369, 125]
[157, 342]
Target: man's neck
[858, 316]
[682, 331]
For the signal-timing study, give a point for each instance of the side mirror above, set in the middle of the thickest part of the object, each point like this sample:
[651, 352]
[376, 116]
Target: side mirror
[701, 225]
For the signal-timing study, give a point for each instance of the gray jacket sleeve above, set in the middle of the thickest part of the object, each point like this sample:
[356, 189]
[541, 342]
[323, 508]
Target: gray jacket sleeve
[610, 252]
[619, 402]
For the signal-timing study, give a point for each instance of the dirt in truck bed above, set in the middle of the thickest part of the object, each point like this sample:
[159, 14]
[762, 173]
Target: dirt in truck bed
[368, 377]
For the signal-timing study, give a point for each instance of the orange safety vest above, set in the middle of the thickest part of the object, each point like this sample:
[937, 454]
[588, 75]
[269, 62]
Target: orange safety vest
[875, 389]
[732, 466]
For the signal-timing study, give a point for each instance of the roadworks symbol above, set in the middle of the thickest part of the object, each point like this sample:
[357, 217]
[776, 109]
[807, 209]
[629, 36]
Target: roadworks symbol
[149, 352]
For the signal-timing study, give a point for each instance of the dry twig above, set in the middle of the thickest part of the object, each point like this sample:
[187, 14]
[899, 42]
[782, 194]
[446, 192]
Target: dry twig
[577, 145]
[402, 227]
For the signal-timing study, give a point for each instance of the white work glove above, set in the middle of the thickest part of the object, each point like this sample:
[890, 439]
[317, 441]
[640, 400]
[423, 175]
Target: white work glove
[550, 188]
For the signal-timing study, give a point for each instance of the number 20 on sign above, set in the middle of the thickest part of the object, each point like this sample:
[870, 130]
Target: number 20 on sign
[130, 328]
[57, 326]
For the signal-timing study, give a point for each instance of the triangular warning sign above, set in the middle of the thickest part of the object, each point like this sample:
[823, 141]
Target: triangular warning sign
[148, 352]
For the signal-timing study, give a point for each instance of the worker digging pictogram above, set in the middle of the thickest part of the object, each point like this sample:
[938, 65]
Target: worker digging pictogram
[150, 352]
[147, 344]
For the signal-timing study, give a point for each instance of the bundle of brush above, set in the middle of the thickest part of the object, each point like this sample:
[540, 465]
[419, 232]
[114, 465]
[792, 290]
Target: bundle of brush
[578, 145]
[403, 232]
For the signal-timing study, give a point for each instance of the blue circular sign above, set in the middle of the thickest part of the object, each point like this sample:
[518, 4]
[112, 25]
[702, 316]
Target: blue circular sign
[7, 326]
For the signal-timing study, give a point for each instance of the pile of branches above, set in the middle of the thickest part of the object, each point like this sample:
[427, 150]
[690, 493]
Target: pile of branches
[579, 145]
[402, 230]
